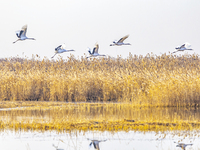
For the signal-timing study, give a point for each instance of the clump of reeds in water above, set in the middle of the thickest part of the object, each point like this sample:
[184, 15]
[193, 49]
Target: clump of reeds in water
[165, 80]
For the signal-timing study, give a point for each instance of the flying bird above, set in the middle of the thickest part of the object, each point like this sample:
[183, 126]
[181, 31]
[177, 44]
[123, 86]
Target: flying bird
[183, 146]
[185, 46]
[61, 49]
[120, 42]
[21, 34]
[96, 143]
[94, 53]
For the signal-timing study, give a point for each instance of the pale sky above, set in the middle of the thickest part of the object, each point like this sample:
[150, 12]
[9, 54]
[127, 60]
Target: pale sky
[156, 26]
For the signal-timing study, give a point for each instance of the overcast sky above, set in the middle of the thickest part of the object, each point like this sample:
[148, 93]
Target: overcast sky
[156, 26]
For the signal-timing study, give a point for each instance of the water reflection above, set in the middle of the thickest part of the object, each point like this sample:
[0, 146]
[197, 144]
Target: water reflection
[57, 147]
[183, 145]
[131, 140]
[101, 112]
[95, 143]
[98, 115]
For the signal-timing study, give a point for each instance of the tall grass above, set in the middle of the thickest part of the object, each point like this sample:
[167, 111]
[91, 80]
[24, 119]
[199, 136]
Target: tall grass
[165, 80]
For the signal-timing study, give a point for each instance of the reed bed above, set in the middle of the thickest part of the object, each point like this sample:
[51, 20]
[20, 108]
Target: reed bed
[165, 80]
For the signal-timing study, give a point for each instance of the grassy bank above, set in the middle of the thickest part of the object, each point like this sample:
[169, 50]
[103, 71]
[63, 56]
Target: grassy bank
[165, 80]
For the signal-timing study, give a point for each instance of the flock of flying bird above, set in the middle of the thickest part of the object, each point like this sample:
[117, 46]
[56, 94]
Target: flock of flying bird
[21, 34]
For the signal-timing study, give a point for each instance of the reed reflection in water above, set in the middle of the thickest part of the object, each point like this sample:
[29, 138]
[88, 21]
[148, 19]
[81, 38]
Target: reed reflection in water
[99, 112]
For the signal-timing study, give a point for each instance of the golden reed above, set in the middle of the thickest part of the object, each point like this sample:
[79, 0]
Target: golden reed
[150, 80]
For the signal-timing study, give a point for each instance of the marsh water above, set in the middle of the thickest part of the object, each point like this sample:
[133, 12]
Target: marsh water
[131, 140]
[100, 112]
[11, 139]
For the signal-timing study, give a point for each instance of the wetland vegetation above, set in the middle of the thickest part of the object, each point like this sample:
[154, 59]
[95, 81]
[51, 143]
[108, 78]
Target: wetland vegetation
[151, 93]
[166, 80]
[137, 99]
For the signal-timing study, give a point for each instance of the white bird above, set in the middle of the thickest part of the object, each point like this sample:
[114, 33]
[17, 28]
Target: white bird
[121, 41]
[95, 53]
[60, 49]
[182, 145]
[185, 46]
[96, 143]
[21, 34]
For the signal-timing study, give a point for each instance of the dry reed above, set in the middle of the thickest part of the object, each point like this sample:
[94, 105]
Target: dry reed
[165, 80]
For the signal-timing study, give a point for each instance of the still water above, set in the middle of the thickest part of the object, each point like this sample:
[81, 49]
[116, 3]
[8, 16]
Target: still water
[114, 140]
[20, 140]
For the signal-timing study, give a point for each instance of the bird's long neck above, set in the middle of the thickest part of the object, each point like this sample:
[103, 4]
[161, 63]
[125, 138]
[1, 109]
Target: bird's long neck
[127, 44]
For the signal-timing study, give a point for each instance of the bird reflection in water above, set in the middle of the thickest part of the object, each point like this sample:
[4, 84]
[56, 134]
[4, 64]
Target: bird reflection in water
[183, 145]
[96, 143]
